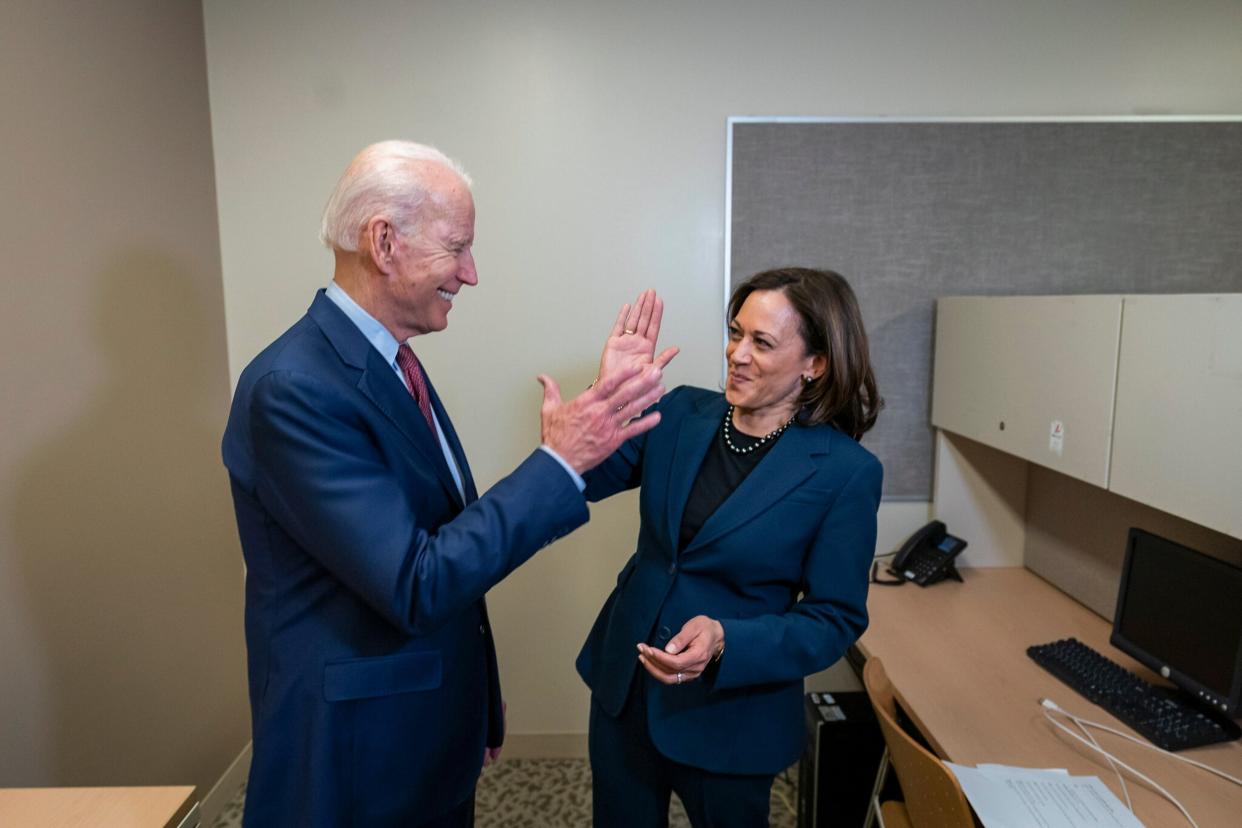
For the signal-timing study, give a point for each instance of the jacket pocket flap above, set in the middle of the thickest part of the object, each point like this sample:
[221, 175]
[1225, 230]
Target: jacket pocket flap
[366, 678]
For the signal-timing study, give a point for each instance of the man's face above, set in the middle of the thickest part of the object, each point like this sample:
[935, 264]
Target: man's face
[432, 264]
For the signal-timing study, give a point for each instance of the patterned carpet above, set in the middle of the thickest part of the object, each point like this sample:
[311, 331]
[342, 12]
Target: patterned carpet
[553, 793]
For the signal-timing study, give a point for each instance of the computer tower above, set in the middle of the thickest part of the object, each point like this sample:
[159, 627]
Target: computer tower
[838, 767]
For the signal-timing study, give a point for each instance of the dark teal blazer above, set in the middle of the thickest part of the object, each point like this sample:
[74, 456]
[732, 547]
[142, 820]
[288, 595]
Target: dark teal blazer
[373, 683]
[782, 564]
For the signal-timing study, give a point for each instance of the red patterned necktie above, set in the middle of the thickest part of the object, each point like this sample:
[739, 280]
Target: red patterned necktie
[418, 382]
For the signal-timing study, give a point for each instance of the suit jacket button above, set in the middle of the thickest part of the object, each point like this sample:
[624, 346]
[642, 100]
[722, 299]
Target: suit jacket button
[664, 633]
[481, 630]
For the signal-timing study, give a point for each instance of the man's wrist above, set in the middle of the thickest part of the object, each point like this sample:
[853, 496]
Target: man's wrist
[573, 475]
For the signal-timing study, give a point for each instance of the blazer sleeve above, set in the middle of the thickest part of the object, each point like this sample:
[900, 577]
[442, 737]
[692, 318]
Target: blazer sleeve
[623, 469]
[832, 613]
[321, 476]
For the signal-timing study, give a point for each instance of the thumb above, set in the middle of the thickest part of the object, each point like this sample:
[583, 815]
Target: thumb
[551, 391]
[685, 636]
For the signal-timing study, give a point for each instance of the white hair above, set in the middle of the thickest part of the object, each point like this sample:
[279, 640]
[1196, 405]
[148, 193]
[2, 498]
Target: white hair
[381, 180]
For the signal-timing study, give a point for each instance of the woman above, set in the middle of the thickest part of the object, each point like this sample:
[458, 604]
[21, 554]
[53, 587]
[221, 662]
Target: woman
[758, 524]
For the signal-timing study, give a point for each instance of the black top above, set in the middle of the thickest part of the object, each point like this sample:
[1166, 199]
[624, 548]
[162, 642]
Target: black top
[722, 471]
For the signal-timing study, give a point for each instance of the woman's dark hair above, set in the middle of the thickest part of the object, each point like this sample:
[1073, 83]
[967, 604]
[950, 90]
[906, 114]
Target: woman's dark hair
[845, 395]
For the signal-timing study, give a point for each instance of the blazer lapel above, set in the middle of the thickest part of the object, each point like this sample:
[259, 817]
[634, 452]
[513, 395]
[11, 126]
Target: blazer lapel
[787, 465]
[693, 439]
[380, 384]
[450, 434]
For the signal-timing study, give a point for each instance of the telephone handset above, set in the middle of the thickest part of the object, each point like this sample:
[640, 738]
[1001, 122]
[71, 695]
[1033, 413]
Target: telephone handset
[927, 556]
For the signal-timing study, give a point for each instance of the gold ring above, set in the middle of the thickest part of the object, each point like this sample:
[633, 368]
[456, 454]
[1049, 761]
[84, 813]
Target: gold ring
[629, 330]
[679, 678]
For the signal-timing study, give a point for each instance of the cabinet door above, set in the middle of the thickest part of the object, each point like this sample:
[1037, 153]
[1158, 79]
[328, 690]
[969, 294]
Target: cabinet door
[1177, 440]
[1030, 375]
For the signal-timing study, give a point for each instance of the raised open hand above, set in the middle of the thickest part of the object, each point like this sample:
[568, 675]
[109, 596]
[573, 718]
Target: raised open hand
[634, 335]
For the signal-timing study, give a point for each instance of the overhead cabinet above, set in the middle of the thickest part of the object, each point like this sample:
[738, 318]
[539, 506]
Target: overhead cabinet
[1032, 376]
[1141, 395]
[1177, 434]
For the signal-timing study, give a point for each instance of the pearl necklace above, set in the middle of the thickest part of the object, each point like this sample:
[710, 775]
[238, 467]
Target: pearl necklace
[729, 441]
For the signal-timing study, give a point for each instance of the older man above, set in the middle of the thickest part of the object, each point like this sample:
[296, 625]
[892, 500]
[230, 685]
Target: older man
[373, 681]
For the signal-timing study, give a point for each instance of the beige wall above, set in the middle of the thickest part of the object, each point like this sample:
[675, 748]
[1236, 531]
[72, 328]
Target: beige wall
[121, 657]
[1076, 536]
[596, 133]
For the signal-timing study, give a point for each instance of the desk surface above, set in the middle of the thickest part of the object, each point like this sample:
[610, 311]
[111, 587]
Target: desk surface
[956, 654]
[155, 807]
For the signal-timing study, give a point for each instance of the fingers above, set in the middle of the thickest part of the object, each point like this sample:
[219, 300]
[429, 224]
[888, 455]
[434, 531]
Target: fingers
[680, 641]
[607, 386]
[635, 311]
[657, 313]
[492, 754]
[686, 655]
[638, 320]
[650, 397]
[640, 390]
[619, 326]
[636, 427]
[696, 631]
[666, 356]
[692, 660]
[641, 424]
[656, 673]
[665, 677]
[646, 309]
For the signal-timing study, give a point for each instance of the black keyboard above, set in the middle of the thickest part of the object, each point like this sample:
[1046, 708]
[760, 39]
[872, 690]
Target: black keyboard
[1159, 714]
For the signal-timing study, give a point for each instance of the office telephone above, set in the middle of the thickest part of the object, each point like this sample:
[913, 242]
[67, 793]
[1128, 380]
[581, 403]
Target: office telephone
[927, 556]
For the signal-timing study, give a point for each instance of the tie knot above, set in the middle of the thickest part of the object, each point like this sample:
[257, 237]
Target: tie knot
[406, 358]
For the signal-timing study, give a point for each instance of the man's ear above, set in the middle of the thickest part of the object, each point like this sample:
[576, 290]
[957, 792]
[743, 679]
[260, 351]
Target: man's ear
[380, 238]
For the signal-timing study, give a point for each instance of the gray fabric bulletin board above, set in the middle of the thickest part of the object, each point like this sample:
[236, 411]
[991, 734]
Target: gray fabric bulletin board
[912, 210]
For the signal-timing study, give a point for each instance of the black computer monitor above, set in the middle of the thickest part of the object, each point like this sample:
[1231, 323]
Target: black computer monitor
[1180, 613]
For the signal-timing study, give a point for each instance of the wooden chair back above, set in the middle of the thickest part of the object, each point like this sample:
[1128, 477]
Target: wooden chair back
[934, 799]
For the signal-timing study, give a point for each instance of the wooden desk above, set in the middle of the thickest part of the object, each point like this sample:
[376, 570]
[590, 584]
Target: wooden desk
[956, 654]
[162, 807]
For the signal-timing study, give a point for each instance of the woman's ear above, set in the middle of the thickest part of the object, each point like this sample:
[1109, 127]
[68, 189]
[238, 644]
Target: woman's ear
[819, 364]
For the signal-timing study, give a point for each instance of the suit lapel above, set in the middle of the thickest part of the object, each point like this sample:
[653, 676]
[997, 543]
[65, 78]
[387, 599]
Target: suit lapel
[450, 434]
[380, 384]
[787, 465]
[693, 438]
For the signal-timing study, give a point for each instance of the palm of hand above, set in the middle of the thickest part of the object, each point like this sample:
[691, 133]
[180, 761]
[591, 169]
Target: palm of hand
[626, 350]
[632, 343]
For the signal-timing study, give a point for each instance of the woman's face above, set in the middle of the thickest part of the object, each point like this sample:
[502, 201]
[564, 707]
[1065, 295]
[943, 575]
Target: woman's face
[767, 357]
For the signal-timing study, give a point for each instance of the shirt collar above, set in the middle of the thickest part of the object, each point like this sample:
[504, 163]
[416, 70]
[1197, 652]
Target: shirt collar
[376, 334]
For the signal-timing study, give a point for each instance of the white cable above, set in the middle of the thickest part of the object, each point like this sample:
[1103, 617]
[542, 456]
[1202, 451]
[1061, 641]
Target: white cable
[1139, 774]
[1051, 705]
[1125, 789]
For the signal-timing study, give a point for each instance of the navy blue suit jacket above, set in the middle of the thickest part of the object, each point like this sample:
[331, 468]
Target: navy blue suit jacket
[782, 564]
[373, 682]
